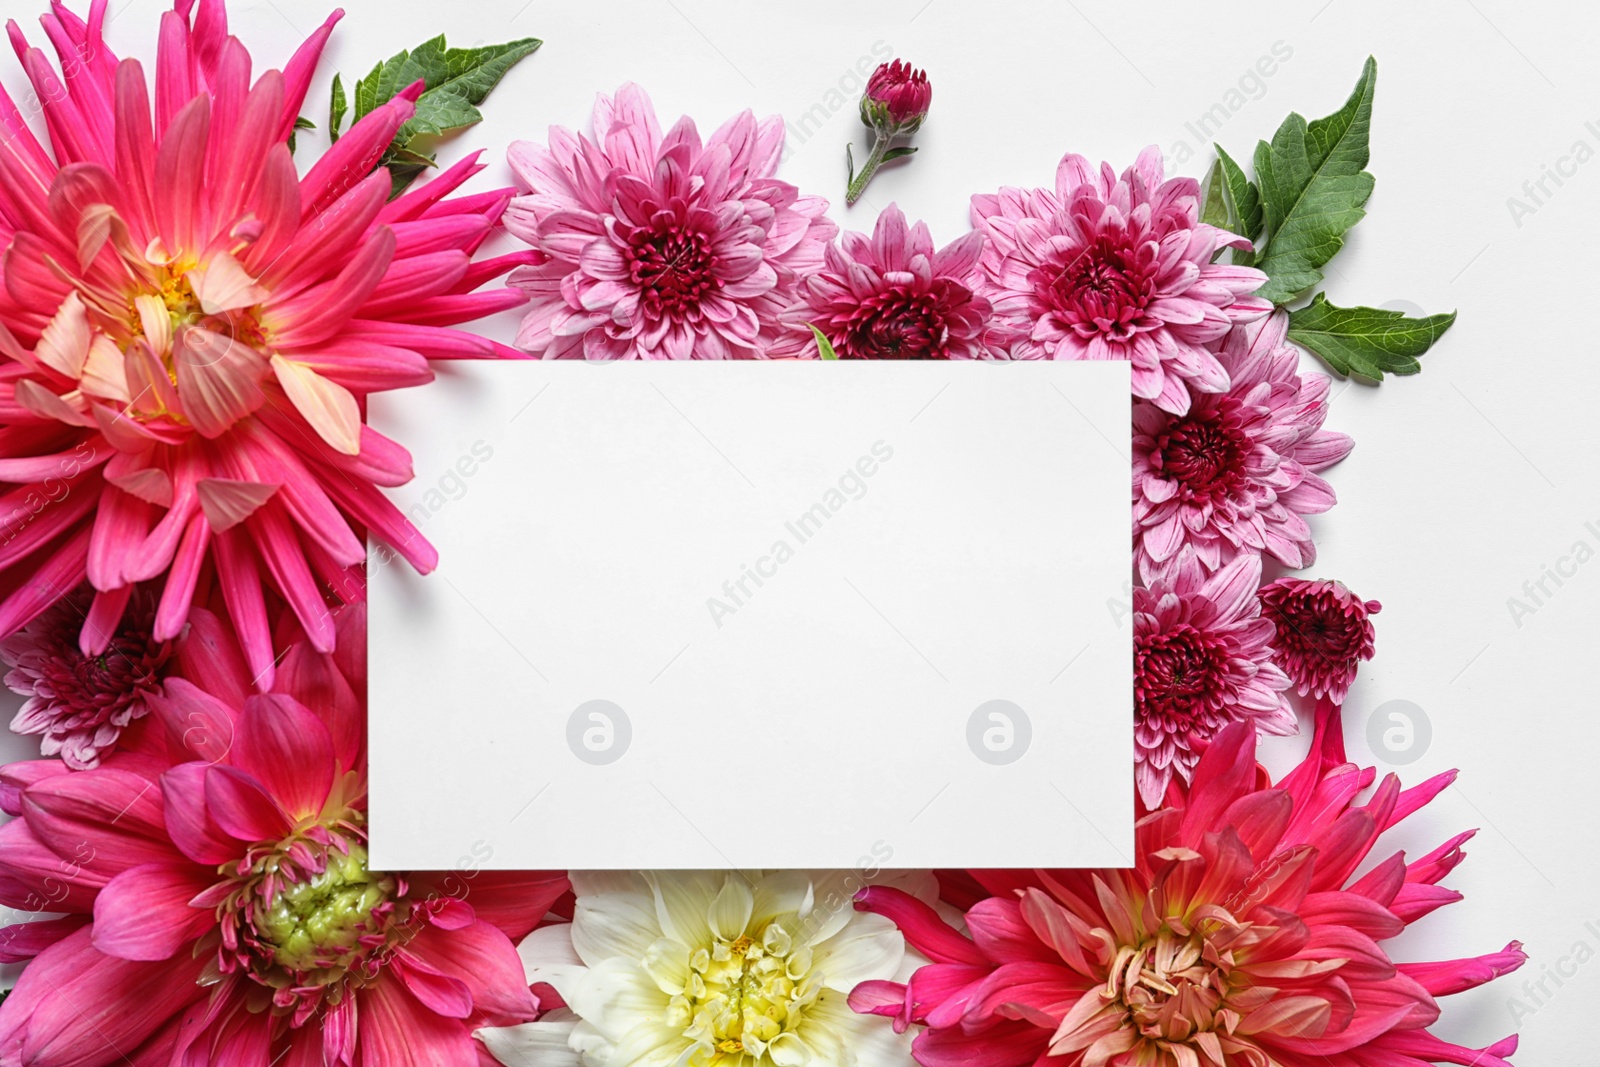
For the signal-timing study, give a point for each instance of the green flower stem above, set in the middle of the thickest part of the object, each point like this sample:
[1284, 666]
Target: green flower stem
[858, 184]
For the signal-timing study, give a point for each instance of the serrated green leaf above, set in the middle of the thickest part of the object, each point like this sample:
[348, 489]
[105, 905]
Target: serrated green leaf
[1214, 212]
[337, 108]
[1314, 188]
[1244, 206]
[1366, 341]
[824, 346]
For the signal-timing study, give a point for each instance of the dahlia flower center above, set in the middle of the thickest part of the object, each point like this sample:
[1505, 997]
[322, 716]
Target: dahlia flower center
[1175, 674]
[1170, 986]
[1101, 289]
[303, 915]
[1205, 452]
[896, 326]
[672, 265]
[742, 994]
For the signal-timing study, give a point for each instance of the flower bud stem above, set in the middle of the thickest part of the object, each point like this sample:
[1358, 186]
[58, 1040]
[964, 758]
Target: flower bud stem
[858, 184]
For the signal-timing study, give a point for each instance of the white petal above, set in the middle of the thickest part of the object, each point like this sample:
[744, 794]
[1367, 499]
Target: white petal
[540, 1044]
[329, 407]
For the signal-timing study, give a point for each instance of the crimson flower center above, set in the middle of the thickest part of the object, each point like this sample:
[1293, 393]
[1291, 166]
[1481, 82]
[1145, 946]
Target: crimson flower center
[1176, 674]
[1205, 452]
[672, 266]
[1100, 290]
[896, 326]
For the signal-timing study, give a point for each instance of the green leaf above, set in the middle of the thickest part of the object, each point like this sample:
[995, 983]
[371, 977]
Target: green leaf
[337, 107]
[456, 81]
[1366, 341]
[1314, 188]
[300, 123]
[824, 346]
[1215, 210]
[898, 153]
[1244, 206]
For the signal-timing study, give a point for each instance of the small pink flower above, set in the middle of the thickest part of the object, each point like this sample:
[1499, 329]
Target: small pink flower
[1102, 267]
[1242, 935]
[1236, 473]
[81, 704]
[1324, 632]
[897, 98]
[660, 247]
[1202, 659]
[891, 296]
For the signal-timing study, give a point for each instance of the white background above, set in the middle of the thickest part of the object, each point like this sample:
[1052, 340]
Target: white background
[1465, 481]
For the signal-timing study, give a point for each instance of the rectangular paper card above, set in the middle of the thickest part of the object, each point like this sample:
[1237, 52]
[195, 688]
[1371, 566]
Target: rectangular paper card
[757, 614]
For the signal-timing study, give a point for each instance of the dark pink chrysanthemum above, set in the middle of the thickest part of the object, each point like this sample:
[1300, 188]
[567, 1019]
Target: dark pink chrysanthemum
[1237, 472]
[1241, 936]
[1202, 659]
[79, 704]
[1102, 267]
[217, 903]
[660, 247]
[192, 328]
[891, 296]
[1323, 633]
[897, 98]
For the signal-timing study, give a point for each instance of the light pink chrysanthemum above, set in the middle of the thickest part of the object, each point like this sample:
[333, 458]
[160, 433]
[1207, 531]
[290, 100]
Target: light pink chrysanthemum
[1237, 472]
[1240, 937]
[1323, 633]
[1202, 659]
[193, 328]
[1102, 267]
[660, 247]
[891, 296]
[78, 704]
[218, 906]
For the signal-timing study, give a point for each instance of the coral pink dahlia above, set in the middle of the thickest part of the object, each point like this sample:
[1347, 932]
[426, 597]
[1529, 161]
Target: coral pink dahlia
[1102, 267]
[660, 247]
[891, 296]
[1324, 631]
[1202, 659]
[80, 704]
[193, 328]
[1236, 473]
[1241, 937]
[219, 906]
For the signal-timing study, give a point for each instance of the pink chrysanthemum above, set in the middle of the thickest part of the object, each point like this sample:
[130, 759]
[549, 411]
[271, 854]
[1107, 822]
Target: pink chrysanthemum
[891, 296]
[660, 247]
[1237, 472]
[1323, 633]
[78, 704]
[193, 328]
[1240, 937]
[1102, 267]
[222, 910]
[1202, 659]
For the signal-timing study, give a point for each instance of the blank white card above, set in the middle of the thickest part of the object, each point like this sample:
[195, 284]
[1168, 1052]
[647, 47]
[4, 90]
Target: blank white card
[757, 614]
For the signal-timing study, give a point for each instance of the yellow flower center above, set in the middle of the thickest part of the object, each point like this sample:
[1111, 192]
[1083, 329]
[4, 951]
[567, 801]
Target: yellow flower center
[742, 994]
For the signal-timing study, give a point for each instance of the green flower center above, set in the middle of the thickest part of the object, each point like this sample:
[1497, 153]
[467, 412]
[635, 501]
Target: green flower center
[318, 925]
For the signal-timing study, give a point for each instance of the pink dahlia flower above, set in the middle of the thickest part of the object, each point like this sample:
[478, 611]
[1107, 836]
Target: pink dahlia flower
[1102, 267]
[1237, 473]
[1324, 631]
[218, 903]
[891, 296]
[193, 328]
[1202, 660]
[81, 704]
[660, 247]
[1241, 937]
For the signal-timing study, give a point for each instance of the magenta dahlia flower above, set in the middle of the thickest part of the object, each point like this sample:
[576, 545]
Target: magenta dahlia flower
[660, 247]
[891, 296]
[1236, 473]
[78, 704]
[193, 328]
[1241, 937]
[218, 904]
[1202, 660]
[1324, 631]
[1102, 267]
